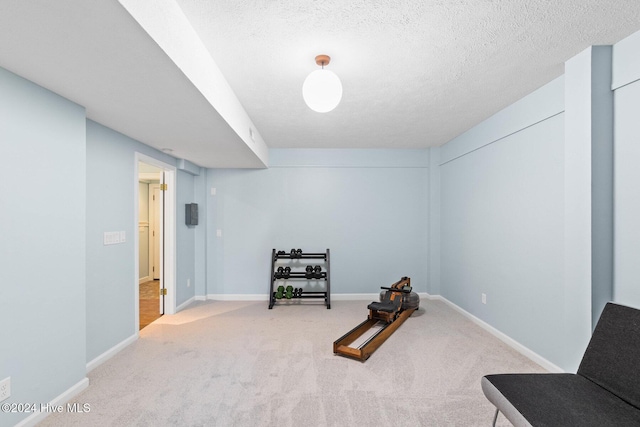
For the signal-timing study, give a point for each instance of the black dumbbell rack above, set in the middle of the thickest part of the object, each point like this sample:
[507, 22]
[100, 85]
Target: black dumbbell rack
[291, 270]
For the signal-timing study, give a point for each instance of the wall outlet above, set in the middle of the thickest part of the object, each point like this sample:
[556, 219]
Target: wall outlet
[5, 388]
[484, 298]
[188, 283]
[213, 191]
[218, 233]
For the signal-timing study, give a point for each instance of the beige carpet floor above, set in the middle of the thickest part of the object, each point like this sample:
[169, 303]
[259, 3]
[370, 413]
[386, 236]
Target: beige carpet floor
[241, 364]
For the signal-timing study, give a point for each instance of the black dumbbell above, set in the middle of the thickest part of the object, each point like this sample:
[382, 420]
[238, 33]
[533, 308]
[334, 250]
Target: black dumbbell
[287, 272]
[299, 253]
[281, 252]
[309, 272]
[317, 270]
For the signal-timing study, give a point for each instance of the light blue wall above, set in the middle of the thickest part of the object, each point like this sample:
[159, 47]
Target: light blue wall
[368, 206]
[433, 219]
[201, 193]
[191, 268]
[535, 107]
[186, 240]
[42, 224]
[588, 184]
[110, 281]
[601, 180]
[626, 61]
[626, 70]
[527, 205]
[69, 297]
[501, 221]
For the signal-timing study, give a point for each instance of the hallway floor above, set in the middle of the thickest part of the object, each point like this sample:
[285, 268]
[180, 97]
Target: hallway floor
[149, 302]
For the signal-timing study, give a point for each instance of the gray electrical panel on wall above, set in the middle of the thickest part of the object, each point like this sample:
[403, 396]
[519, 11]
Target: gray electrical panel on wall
[191, 214]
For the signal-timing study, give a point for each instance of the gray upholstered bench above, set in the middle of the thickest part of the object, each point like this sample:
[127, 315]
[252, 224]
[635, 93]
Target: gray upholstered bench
[604, 392]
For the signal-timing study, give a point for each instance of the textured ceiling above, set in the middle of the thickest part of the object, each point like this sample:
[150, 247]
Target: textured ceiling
[414, 73]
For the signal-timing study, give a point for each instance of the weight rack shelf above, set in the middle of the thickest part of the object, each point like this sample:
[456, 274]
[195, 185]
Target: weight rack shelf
[279, 273]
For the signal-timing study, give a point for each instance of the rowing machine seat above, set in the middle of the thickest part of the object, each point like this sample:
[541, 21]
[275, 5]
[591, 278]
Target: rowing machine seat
[387, 305]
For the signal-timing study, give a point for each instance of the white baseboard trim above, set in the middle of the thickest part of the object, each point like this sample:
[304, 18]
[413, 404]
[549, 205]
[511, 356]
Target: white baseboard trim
[238, 297]
[61, 399]
[111, 352]
[525, 351]
[185, 304]
[369, 297]
[144, 279]
[265, 297]
[355, 297]
[200, 297]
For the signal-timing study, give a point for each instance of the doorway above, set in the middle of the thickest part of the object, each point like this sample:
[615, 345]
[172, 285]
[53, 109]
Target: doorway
[150, 206]
[155, 240]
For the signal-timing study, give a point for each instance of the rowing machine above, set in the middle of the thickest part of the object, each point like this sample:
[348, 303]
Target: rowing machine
[384, 318]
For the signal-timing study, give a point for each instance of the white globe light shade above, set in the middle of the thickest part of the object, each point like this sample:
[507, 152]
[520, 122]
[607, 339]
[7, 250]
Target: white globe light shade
[322, 91]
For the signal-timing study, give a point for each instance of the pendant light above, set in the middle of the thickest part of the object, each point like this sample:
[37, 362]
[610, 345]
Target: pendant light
[322, 90]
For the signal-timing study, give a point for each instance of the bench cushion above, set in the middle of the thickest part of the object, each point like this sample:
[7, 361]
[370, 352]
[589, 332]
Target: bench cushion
[612, 358]
[387, 307]
[556, 400]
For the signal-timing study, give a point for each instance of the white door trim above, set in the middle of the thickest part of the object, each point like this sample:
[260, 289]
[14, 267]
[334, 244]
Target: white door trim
[168, 267]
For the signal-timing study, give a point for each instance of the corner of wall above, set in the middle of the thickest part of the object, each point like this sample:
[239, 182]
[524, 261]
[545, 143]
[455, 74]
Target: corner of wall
[433, 286]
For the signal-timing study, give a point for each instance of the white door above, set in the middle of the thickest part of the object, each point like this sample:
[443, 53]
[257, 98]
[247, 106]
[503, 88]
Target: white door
[160, 200]
[155, 226]
[156, 209]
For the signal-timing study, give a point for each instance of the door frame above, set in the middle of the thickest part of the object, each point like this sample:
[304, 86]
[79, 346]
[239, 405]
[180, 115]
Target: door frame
[167, 241]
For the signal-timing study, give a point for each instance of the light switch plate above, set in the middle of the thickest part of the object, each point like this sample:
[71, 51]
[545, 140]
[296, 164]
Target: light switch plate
[5, 388]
